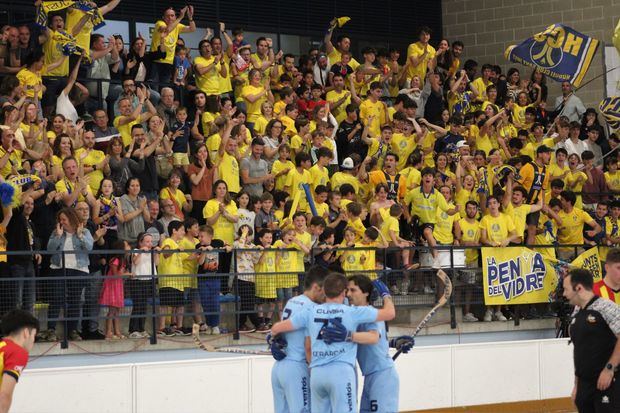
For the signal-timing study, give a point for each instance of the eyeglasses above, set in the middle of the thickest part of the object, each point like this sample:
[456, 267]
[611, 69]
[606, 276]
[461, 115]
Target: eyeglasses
[128, 84]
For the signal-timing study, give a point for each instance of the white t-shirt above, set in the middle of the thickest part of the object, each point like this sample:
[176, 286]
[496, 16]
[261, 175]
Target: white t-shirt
[65, 107]
[143, 270]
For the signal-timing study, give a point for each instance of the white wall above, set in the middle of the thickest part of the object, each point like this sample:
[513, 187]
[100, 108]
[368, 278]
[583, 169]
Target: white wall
[430, 377]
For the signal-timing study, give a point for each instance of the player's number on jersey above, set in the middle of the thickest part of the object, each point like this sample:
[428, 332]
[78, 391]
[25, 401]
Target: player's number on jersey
[325, 322]
[374, 406]
[286, 314]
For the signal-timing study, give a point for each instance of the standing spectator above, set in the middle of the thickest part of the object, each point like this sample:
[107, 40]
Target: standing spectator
[202, 174]
[93, 161]
[166, 108]
[102, 57]
[595, 188]
[113, 292]
[419, 54]
[122, 167]
[23, 238]
[569, 104]
[152, 225]
[594, 332]
[246, 279]
[172, 27]
[208, 70]
[139, 62]
[70, 235]
[158, 146]
[131, 213]
[255, 170]
[144, 268]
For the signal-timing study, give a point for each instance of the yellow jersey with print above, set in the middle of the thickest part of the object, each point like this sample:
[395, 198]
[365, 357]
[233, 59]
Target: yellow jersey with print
[547, 234]
[169, 267]
[261, 60]
[403, 145]
[266, 280]
[82, 39]
[389, 223]
[289, 126]
[375, 109]
[613, 180]
[443, 232]
[519, 216]
[28, 80]
[213, 143]
[225, 82]
[340, 178]
[320, 176]
[14, 162]
[287, 261]
[497, 228]
[352, 259]
[414, 178]
[170, 41]
[417, 50]
[556, 171]
[253, 108]
[575, 181]
[306, 239]
[425, 205]
[428, 143]
[470, 232]
[64, 185]
[124, 130]
[229, 172]
[359, 228]
[481, 87]
[190, 265]
[332, 97]
[222, 228]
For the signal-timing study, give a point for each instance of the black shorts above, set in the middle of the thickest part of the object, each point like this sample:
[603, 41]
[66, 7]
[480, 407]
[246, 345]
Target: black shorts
[532, 218]
[590, 399]
[171, 297]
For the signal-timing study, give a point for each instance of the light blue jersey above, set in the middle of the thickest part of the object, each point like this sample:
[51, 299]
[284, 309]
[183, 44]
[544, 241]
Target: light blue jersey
[295, 348]
[381, 384]
[374, 357]
[314, 320]
[290, 377]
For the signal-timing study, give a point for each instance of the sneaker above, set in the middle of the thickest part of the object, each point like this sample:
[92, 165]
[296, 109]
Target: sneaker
[404, 288]
[167, 332]
[215, 331]
[488, 316]
[469, 318]
[184, 331]
[75, 336]
[498, 316]
[246, 329]
[144, 334]
[204, 328]
[394, 289]
[94, 335]
[428, 290]
[262, 328]
[135, 335]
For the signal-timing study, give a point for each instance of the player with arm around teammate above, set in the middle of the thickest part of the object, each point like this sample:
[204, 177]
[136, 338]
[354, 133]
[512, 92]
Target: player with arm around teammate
[381, 383]
[290, 376]
[333, 384]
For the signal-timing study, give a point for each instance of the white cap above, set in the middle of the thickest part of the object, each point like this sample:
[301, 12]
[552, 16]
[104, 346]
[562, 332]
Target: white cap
[347, 163]
[461, 144]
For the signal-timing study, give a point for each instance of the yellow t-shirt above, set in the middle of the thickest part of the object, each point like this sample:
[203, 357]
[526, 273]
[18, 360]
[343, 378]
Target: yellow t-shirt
[613, 180]
[170, 41]
[403, 146]
[555, 171]
[289, 127]
[260, 125]
[359, 228]
[340, 178]
[294, 181]
[443, 231]
[225, 81]
[15, 159]
[518, 215]
[222, 229]
[124, 130]
[417, 49]
[352, 259]
[389, 223]
[229, 171]
[306, 239]
[425, 206]
[376, 109]
[208, 82]
[571, 230]
[288, 261]
[571, 181]
[462, 196]
[28, 80]
[64, 185]
[213, 143]
[82, 39]
[335, 56]
[481, 87]
[94, 157]
[190, 266]
[470, 232]
[320, 176]
[177, 196]
[322, 209]
[428, 143]
[414, 178]
[497, 228]
[53, 53]
[266, 280]
[279, 166]
[173, 265]
[332, 97]
[253, 109]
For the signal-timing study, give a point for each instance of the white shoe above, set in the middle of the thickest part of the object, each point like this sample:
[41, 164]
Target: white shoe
[488, 316]
[404, 288]
[215, 331]
[395, 290]
[428, 290]
[144, 334]
[499, 316]
[136, 334]
[469, 318]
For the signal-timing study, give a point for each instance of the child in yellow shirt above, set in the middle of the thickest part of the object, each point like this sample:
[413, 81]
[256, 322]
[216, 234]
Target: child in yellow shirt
[354, 213]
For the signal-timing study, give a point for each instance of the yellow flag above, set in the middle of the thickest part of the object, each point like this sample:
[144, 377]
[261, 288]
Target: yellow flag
[590, 260]
[344, 19]
[294, 205]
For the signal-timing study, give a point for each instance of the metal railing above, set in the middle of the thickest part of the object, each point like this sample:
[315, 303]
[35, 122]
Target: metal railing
[63, 299]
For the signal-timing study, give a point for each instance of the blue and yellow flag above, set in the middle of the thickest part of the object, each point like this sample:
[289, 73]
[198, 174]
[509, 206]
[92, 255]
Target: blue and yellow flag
[559, 52]
[47, 7]
[610, 108]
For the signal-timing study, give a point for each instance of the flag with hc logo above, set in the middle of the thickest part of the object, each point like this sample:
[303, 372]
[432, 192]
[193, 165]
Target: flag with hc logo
[559, 52]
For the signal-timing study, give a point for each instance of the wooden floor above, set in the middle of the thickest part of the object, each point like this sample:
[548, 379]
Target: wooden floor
[564, 405]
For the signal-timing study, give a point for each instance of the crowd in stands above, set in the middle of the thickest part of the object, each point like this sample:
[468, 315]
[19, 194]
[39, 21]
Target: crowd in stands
[157, 147]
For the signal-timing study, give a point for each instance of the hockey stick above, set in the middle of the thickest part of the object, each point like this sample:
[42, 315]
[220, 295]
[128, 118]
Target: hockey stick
[210, 348]
[447, 291]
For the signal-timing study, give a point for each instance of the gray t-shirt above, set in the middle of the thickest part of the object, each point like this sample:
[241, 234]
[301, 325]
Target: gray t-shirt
[256, 168]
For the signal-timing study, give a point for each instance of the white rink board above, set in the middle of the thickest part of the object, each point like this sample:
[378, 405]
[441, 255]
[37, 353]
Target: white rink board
[430, 377]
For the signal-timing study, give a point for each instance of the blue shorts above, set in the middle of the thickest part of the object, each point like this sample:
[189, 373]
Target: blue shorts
[290, 382]
[380, 392]
[333, 388]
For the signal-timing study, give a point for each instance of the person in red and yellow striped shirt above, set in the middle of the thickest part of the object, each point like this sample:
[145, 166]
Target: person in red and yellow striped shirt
[609, 286]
